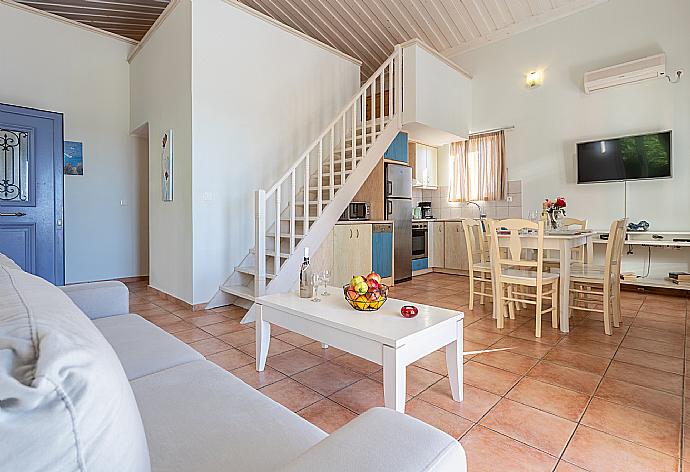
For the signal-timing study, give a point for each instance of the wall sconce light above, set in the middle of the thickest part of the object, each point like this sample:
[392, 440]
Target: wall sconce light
[534, 78]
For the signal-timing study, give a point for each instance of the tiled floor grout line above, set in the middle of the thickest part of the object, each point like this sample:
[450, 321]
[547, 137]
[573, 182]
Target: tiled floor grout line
[591, 397]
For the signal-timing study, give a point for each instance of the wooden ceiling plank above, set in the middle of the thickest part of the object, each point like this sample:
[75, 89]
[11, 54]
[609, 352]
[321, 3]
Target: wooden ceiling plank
[296, 19]
[98, 10]
[334, 39]
[400, 13]
[78, 4]
[107, 19]
[436, 11]
[384, 17]
[418, 18]
[303, 25]
[519, 9]
[479, 16]
[499, 13]
[461, 18]
[371, 29]
[348, 30]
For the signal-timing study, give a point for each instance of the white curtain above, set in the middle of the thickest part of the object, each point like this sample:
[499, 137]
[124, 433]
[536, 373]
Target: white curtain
[478, 168]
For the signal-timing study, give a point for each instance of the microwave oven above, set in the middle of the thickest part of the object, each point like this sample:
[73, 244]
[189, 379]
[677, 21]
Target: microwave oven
[356, 211]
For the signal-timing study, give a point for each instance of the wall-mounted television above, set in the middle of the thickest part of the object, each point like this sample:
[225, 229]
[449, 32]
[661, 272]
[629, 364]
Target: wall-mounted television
[644, 156]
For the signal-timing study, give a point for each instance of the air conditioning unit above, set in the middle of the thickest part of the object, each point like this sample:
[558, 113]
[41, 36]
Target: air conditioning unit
[640, 70]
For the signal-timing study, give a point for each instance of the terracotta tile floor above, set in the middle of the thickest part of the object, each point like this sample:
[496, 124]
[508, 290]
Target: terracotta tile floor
[585, 401]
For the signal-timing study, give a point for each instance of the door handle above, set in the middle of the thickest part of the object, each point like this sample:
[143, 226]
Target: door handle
[390, 207]
[350, 233]
[17, 213]
[357, 229]
[390, 187]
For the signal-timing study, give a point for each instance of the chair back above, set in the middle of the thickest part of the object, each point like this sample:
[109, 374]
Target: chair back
[614, 249]
[475, 239]
[578, 253]
[514, 256]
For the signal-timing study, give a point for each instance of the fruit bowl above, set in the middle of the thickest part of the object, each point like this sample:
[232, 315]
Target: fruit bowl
[371, 300]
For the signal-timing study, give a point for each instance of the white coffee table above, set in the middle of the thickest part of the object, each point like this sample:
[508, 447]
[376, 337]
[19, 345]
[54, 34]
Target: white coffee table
[383, 337]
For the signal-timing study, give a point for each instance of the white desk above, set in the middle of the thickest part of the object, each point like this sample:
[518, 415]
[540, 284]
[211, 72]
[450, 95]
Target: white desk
[564, 245]
[383, 336]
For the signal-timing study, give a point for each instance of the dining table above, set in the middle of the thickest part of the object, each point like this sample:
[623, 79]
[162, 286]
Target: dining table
[564, 243]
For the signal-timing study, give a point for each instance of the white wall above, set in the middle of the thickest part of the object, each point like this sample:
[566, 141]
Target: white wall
[55, 66]
[261, 95]
[437, 98]
[160, 77]
[549, 120]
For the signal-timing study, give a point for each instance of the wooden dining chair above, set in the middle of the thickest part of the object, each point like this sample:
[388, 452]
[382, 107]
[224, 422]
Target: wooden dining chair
[590, 284]
[478, 266]
[515, 274]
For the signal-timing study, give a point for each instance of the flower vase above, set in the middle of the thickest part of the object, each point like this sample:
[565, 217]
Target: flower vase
[555, 217]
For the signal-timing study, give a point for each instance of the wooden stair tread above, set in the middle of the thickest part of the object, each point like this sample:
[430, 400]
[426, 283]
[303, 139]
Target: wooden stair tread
[241, 291]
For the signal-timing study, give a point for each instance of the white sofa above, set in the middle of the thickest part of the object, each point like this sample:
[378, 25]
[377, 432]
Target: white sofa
[66, 402]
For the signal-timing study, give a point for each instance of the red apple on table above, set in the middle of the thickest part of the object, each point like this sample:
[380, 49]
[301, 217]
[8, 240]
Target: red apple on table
[374, 276]
[373, 284]
[374, 295]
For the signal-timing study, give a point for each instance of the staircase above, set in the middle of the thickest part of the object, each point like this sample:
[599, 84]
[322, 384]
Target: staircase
[301, 208]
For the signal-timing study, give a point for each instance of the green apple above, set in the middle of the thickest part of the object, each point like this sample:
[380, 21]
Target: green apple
[362, 287]
[356, 280]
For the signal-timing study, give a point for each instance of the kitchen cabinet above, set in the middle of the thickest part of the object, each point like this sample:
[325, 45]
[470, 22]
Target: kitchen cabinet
[437, 244]
[397, 151]
[455, 248]
[352, 254]
[425, 166]
[382, 249]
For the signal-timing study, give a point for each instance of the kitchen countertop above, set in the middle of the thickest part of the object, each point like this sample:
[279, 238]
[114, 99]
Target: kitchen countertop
[414, 220]
[363, 222]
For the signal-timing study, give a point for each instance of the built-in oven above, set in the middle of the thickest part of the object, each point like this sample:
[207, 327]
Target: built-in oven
[420, 240]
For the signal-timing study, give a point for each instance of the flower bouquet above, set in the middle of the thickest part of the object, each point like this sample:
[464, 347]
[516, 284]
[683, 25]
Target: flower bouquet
[554, 210]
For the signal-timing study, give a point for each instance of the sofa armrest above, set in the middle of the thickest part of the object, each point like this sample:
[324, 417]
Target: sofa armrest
[382, 440]
[99, 299]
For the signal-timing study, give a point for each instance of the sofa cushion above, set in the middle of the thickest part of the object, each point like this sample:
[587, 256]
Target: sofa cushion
[143, 348]
[99, 299]
[199, 417]
[65, 402]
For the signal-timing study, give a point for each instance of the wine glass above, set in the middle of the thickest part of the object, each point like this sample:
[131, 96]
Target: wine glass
[315, 281]
[325, 278]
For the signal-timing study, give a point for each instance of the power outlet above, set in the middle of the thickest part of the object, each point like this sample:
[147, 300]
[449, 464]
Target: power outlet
[509, 199]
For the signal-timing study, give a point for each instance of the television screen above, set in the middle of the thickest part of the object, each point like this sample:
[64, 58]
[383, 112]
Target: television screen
[646, 156]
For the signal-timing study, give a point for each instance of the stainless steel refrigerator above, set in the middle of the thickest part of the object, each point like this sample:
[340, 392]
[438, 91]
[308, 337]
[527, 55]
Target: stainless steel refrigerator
[399, 210]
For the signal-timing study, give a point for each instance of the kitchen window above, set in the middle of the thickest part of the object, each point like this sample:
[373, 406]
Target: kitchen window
[478, 168]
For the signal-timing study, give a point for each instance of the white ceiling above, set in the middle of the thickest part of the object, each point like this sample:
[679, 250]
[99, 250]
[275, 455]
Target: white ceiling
[368, 29]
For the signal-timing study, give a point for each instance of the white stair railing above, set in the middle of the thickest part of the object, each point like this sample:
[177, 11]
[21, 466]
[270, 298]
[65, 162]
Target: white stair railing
[351, 125]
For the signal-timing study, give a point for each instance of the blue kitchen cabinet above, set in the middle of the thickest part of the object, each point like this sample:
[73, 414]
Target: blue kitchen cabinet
[419, 264]
[382, 253]
[397, 151]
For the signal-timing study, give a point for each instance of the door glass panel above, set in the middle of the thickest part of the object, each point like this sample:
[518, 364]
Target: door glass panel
[14, 165]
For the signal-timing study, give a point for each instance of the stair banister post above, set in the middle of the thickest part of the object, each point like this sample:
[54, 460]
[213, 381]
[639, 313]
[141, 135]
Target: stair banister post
[278, 228]
[381, 98]
[398, 83]
[331, 169]
[260, 242]
[390, 86]
[293, 193]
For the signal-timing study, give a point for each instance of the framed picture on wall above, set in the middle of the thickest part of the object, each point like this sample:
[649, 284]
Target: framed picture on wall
[74, 158]
[167, 166]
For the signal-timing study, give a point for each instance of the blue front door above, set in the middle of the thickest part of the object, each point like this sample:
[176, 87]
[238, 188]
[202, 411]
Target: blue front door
[31, 218]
